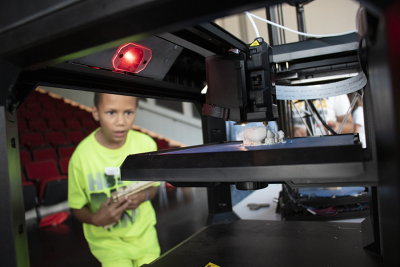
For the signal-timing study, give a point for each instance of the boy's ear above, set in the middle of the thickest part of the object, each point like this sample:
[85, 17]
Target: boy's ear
[95, 113]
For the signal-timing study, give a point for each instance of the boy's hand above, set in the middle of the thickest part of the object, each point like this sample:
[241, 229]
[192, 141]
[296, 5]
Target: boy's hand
[109, 212]
[299, 132]
[136, 200]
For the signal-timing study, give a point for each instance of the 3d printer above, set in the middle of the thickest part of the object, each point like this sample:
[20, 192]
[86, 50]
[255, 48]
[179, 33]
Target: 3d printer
[63, 57]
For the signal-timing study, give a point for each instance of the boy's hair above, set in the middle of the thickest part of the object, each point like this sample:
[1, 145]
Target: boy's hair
[98, 96]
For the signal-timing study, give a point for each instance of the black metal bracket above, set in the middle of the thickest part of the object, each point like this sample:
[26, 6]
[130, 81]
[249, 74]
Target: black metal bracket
[14, 244]
[219, 197]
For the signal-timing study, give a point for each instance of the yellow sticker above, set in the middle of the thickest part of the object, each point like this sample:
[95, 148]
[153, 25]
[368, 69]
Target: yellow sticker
[255, 43]
[212, 265]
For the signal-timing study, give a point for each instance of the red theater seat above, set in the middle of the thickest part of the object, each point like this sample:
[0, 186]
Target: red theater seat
[89, 116]
[73, 125]
[74, 137]
[87, 132]
[45, 154]
[56, 125]
[89, 125]
[23, 178]
[38, 125]
[24, 158]
[19, 115]
[66, 152]
[29, 115]
[42, 170]
[31, 98]
[64, 115]
[48, 115]
[33, 106]
[58, 101]
[75, 109]
[53, 190]
[55, 138]
[31, 140]
[44, 98]
[22, 127]
[80, 114]
[161, 144]
[29, 193]
[48, 106]
[64, 165]
[61, 107]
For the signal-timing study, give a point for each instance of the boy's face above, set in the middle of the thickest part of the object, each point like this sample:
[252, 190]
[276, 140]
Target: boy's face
[116, 114]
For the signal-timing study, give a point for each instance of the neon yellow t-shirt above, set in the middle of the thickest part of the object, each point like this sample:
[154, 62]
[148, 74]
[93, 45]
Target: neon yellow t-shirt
[134, 236]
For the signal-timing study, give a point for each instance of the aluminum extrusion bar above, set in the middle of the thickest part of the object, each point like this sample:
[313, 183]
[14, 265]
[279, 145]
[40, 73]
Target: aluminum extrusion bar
[211, 37]
[314, 48]
[71, 76]
[14, 243]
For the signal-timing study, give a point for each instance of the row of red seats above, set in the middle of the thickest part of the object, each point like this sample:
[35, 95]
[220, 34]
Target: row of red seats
[56, 124]
[36, 96]
[45, 154]
[52, 191]
[32, 140]
[53, 114]
[44, 168]
[162, 144]
[48, 106]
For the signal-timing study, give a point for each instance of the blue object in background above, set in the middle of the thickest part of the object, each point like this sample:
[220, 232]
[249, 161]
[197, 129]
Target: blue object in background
[326, 192]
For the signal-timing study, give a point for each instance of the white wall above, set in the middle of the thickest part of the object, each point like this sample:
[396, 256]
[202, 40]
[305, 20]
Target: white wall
[81, 97]
[321, 16]
[170, 124]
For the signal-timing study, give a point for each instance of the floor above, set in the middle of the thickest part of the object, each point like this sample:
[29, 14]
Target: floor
[268, 195]
[180, 213]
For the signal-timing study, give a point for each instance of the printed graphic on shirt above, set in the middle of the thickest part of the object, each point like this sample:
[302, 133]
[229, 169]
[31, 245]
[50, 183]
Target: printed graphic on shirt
[100, 188]
[96, 199]
[109, 180]
[125, 218]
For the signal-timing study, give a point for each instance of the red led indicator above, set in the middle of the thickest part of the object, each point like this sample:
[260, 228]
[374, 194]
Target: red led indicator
[131, 58]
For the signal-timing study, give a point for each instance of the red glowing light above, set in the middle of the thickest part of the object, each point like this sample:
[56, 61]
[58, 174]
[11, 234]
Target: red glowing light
[131, 58]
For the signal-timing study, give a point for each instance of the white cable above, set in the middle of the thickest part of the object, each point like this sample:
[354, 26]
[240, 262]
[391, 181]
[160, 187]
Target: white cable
[253, 23]
[299, 33]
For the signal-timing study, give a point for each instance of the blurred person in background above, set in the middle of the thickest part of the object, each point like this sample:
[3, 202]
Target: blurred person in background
[332, 110]
[358, 117]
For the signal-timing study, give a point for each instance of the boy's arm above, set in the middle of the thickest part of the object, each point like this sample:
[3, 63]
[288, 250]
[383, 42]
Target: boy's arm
[348, 126]
[108, 213]
[140, 197]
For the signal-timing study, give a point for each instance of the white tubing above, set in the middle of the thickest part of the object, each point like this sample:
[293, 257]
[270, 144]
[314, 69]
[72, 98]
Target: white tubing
[299, 33]
[253, 23]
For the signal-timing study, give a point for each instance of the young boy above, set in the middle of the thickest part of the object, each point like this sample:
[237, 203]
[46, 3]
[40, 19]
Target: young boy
[133, 240]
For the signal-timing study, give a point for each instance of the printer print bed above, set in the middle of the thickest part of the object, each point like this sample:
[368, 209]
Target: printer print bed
[227, 157]
[301, 142]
